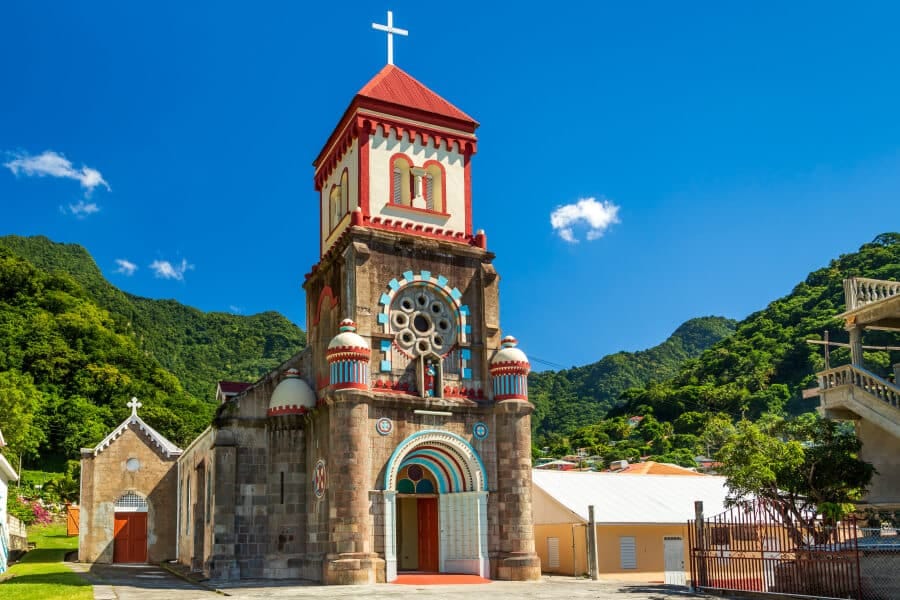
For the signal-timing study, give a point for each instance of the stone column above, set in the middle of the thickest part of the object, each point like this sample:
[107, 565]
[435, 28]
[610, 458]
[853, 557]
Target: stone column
[352, 558]
[222, 561]
[389, 512]
[517, 559]
[856, 351]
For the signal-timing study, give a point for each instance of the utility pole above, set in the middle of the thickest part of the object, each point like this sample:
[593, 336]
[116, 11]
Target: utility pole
[593, 566]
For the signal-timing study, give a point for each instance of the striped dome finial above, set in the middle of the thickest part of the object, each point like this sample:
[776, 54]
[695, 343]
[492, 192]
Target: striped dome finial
[348, 358]
[509, 371]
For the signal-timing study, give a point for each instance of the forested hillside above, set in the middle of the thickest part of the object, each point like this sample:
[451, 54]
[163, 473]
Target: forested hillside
[73, 349]
[579, 396]
[759, 370]
[766, 363]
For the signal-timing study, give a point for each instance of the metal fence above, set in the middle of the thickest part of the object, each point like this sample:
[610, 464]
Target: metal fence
[879, 563]
[755, 549]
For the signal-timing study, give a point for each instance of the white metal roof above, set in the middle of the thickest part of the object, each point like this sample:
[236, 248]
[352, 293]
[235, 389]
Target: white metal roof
[6, 470]
[623, 498]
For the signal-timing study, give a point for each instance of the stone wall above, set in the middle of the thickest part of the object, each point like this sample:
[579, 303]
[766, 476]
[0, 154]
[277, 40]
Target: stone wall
[195, 465]
[18, 535]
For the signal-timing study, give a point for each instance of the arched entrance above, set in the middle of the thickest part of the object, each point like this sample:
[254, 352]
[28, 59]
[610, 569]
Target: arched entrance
[435, 515]
[130, 529]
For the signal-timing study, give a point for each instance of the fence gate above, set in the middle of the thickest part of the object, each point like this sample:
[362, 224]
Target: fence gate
[752, 548]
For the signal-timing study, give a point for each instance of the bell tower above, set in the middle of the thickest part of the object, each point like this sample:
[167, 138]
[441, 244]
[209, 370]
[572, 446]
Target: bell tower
[400, 157]
[404, 333]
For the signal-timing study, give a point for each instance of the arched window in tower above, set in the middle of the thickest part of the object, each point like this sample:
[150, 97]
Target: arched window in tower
[334, 207]
[345, 193]
[401, 181]
[433, 181]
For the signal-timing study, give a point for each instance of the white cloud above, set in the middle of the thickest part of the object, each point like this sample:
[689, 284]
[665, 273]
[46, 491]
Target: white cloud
[235, 309]
[598, 216]
[126, 267]
[53, 164]
[166, 270]
[82, 209]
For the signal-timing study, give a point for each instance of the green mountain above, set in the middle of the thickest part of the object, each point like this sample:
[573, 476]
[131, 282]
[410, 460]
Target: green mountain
[571, 398]
[73, 348]
[766, 363]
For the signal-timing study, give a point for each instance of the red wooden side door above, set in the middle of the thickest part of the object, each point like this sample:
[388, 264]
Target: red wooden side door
[130, 537]
[428, 534]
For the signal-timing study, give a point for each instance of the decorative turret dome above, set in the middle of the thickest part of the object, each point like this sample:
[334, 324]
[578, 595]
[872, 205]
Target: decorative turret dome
[348, 338]
[509, 353]
[509, 371]
[348, 359]
[292, 396]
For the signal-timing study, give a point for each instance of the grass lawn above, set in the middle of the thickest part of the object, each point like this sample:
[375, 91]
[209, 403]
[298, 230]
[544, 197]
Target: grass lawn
[42, 575]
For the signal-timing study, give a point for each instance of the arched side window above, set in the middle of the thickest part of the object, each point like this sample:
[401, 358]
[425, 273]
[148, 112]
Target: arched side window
[334, 207]
[401, 181]
[434, 186]
[131, 502]
[345, 193]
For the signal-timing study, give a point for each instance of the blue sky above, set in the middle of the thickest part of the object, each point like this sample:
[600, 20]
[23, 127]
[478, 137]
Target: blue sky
[743, 144]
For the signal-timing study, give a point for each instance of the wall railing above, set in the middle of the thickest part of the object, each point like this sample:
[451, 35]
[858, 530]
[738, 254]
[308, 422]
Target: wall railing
[873, 384]
[860, 291]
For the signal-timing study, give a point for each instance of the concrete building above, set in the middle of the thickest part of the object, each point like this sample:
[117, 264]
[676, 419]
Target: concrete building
[128, 490]
[7, 474]
[873, 403]
[400, 438]
[641, 522]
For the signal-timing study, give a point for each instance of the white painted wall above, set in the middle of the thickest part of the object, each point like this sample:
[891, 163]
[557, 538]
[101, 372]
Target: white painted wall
[350, 161]
[7, 473]
[381, 149]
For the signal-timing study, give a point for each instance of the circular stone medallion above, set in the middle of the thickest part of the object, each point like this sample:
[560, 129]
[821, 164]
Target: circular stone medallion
[320, 479]
[384, 426]
[480, 431]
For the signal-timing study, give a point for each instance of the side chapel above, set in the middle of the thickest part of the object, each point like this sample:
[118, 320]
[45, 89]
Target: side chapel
[399, 439]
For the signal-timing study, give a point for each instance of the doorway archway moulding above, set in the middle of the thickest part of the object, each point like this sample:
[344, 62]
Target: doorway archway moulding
[467, 467]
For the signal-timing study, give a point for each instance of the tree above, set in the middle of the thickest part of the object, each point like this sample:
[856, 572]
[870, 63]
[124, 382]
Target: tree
[798, 469]
[19, 399]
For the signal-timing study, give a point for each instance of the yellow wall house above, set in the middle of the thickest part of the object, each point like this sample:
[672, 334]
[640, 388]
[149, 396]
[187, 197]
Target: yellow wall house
[641, 522]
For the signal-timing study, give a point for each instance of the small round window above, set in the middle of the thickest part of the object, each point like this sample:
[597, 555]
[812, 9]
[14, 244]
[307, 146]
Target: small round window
[132, 464]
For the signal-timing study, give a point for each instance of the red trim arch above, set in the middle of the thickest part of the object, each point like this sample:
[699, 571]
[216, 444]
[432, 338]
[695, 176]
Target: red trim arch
[391, 162]
[429, 163]
[325, 293]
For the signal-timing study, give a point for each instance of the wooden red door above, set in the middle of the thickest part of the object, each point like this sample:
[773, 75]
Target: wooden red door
[428, 534]
[130, 538]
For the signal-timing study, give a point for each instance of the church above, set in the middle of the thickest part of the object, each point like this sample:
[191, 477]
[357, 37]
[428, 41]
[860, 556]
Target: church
[399, 439]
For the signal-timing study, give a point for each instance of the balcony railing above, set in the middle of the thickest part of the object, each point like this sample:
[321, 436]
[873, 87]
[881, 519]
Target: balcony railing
[859, 291]
[855, 376]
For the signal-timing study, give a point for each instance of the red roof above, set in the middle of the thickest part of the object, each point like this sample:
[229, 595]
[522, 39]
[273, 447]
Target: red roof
[233, 387]
[396, 86]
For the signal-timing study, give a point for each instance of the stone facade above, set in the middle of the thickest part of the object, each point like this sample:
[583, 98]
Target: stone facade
[136, 460]
[313, 471]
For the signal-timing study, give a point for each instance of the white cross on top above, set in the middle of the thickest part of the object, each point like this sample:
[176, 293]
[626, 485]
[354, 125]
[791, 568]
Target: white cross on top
[391, 30]
[133, 404]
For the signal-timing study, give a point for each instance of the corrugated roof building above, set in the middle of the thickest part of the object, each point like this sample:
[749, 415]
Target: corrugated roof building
[641, 521]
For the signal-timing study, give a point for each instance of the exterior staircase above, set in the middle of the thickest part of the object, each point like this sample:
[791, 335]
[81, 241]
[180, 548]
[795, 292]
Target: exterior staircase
[850, 392]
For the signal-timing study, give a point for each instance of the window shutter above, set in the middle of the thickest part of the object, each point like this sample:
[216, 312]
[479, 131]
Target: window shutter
[429, 192]
[396, 192]
[627, 552]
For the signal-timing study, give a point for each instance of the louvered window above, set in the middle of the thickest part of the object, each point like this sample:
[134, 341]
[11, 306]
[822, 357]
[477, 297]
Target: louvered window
[429, 192]
[397, 186]
[627, 552]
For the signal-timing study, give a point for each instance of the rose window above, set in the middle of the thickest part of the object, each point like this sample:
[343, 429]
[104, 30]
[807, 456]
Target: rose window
[423, 321]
